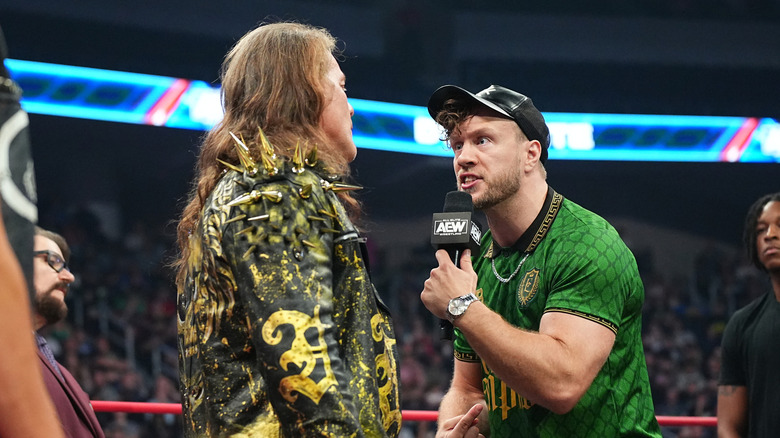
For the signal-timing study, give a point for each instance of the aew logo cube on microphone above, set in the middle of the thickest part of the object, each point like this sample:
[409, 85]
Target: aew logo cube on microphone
[450, 227]
[454, 229]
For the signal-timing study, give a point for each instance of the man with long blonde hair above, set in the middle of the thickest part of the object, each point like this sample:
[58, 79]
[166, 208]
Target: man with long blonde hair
[281, 332]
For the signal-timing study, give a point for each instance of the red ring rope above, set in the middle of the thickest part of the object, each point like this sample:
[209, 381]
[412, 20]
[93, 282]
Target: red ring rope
[407, 415]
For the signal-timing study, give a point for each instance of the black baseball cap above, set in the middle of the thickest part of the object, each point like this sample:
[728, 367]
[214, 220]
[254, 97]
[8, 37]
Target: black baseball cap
[512, 104]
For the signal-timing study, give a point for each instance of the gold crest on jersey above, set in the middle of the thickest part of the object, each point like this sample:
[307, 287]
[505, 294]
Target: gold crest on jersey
[528, 287]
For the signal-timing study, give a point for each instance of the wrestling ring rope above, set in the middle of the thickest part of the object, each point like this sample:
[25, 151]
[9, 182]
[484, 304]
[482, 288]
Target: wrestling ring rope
[407, 415]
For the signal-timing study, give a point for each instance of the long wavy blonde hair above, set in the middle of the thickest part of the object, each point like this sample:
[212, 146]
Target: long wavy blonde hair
[272, 79]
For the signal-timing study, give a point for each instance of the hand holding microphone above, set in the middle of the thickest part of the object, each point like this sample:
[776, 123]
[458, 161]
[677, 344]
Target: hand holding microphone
[455, 231]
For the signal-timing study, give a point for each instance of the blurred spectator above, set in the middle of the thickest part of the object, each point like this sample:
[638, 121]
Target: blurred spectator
[166, 425]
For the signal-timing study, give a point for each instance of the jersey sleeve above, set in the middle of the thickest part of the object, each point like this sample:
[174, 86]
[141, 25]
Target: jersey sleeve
[595, 276]
[462, 350]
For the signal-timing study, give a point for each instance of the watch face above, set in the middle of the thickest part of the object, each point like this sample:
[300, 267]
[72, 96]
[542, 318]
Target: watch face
[460, 307]
[457, 306]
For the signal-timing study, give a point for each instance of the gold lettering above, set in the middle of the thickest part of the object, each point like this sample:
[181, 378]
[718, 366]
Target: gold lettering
[507, 396]
[501, 397]
[489, 389]
[301, 353]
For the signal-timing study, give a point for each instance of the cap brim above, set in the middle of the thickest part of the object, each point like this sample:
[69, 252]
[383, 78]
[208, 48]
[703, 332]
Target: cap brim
[445, 92]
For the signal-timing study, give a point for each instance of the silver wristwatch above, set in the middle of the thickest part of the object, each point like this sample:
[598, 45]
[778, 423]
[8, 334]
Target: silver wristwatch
[458, 306]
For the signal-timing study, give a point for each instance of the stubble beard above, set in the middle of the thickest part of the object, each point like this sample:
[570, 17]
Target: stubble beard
[499, 189]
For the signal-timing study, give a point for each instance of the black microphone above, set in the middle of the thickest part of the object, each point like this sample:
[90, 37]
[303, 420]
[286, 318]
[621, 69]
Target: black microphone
[454, 230]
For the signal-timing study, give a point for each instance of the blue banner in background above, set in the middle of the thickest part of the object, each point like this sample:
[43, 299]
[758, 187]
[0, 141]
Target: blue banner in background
[124, 97]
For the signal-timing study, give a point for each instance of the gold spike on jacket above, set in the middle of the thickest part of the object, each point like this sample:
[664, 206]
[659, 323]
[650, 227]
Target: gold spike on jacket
[281, 332]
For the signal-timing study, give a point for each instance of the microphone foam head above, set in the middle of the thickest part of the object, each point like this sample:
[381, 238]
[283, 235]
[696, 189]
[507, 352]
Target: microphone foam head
[458, 201]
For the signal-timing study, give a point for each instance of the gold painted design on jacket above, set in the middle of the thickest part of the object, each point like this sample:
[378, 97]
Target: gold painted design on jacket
[298, 352]
[386, 369]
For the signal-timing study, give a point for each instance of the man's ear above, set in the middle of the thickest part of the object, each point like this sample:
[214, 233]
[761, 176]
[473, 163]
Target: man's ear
[533, 152]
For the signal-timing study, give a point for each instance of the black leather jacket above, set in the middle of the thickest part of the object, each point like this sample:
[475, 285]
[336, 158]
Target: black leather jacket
[281, 332]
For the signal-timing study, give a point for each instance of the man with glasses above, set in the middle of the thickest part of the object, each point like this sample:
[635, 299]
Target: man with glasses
[52, 278]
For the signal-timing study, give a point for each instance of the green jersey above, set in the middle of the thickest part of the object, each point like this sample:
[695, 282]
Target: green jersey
[570, 260]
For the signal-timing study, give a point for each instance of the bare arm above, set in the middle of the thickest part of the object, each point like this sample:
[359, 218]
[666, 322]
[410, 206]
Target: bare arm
[462, 399]
[732, 411]
[553, 367]
[27, 410]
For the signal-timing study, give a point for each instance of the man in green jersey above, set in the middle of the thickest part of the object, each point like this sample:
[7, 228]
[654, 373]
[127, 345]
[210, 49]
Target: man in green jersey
[548, 316]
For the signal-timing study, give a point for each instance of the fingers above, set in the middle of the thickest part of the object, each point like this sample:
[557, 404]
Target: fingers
[473, 413]
[465, 261]
[447, 281]
[452, 429]
[443, 257]
[467, 426]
